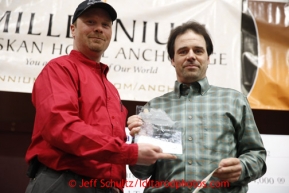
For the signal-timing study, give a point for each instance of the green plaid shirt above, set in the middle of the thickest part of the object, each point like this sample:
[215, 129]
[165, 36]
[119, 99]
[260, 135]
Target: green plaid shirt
[217, 123]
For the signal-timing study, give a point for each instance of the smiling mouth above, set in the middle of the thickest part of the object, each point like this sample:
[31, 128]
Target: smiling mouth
[97, 38]
[191, 66]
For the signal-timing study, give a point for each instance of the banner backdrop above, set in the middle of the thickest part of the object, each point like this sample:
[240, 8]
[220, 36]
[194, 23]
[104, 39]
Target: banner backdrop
[33, 32]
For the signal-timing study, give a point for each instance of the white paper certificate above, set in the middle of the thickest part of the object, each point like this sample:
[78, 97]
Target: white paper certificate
[167, 147]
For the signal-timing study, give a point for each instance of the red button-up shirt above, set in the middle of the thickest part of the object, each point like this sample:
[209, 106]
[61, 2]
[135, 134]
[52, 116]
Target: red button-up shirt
[80, 120]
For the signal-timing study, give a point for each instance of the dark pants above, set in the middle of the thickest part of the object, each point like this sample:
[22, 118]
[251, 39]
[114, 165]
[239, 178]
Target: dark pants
[51, 181]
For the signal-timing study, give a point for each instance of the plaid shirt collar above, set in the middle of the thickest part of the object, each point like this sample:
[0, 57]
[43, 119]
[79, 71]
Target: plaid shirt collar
[201, 87]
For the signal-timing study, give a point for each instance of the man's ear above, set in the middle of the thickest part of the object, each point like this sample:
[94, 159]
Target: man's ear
[173, 63]
[72, 29]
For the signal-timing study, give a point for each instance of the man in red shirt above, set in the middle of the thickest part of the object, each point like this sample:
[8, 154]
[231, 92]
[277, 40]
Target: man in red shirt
[78, 141]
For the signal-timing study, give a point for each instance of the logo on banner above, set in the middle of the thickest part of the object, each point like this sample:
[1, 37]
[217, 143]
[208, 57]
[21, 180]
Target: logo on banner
[92, 2]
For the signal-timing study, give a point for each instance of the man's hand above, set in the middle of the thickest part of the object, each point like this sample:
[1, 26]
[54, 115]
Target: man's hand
[133, 123]
[148, 154]
[230, 170]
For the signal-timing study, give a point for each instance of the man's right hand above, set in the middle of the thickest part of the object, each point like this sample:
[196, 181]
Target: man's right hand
[134, 124]
[148, 154]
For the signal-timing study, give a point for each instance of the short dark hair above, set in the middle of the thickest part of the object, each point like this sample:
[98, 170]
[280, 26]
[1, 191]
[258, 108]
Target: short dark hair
[190, 25]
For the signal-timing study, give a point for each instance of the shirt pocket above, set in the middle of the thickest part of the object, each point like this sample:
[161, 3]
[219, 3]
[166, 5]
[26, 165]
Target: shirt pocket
[218, 135]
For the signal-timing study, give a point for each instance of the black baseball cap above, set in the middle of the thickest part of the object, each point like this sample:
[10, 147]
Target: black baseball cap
[94, 3]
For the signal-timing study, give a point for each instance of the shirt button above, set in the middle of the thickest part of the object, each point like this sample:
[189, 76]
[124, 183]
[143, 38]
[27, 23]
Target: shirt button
[190, 117]
[190, 162]
[190, 138]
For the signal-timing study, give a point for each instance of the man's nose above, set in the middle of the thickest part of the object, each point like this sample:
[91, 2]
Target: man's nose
[191, 55]
[98, 28]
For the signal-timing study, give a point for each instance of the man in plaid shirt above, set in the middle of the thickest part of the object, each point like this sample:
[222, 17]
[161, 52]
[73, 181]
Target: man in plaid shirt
[217, 124]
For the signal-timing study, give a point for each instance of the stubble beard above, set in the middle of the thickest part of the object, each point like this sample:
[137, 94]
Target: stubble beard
[96, 47]
[190, 76]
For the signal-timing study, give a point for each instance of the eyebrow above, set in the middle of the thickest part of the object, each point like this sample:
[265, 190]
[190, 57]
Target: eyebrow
[200, 47]
[186, 47]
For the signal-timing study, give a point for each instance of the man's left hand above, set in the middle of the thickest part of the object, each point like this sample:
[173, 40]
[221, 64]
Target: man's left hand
[230, 170]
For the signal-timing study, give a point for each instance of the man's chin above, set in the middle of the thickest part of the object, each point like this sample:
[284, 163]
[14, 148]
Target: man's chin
[192, 77]
[96, 49]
